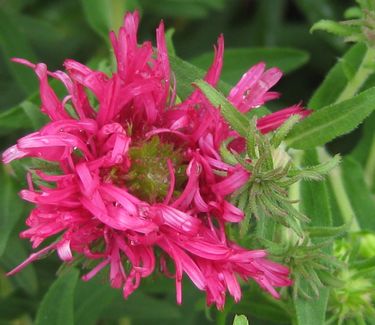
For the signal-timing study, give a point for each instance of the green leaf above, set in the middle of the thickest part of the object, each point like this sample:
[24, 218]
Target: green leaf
[332, 121]
[13, 119]
[134, 308]
[238, 61]
[315, 10]
[361, 199]
[327, 231]
[181, 8]
[14, 44]
[16, 252]
[314, 195]
[104, 16]
[12, 307]
[26, 115]
[186, 73]
[315, 204]
[91, 298]
[236, 119]
[11, 208]
[258, 305]
[57, 304]
[169, 40]
[240, 320]
[364, 152]
[336, 79]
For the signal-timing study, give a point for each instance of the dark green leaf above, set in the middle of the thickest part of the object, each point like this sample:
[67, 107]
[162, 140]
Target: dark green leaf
[11, 207]
[57, 305]
[14, 44]
[14, 119]
[14, 306]
[181, 8]
[238, 61]
[91, 298]
[134, 307]
[316, 9]
[13, 255]
[364, 152]
[332, 121]
[260, 306]
[361, 198]
[104, 16]
[315, 204]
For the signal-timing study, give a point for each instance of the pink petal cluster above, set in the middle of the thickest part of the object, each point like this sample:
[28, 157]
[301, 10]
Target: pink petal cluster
[89, 213]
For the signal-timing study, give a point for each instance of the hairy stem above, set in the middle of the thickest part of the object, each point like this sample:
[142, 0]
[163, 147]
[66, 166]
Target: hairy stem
[360, 77]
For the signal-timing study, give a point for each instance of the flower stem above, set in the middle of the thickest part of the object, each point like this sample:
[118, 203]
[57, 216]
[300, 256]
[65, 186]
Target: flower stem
[364, 71]
[339, 191]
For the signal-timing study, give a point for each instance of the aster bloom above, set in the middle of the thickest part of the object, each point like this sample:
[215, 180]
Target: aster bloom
[138, 180]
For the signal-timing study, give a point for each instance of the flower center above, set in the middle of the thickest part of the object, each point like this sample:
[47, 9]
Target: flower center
[149, 177]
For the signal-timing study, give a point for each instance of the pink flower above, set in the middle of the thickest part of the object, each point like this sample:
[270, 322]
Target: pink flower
[139, 179]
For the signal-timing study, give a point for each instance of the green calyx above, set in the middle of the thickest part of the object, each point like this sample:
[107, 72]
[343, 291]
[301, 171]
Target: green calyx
[272, 173]
[149, 177]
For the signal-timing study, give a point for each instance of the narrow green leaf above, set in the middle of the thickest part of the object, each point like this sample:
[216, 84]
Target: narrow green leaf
[336, 80]
[361, 198]
[332, 121]
[314, 195]
[364, 151]
[10, 208]
[186, 73]
[13, 43]
[327, 231]
[238, 61]
[169, 40]
[240, 320]
[236, 119]
[57, 305]
[315, 204]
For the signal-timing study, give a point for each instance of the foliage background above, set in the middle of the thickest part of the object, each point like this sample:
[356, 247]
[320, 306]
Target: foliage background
[50, 31]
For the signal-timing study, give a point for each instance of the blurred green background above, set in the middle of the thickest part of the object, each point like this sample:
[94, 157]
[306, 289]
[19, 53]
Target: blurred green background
[50, 31]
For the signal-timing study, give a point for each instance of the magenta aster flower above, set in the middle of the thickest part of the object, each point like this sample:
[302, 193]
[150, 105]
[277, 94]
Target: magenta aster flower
[138, 179]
